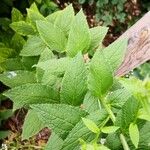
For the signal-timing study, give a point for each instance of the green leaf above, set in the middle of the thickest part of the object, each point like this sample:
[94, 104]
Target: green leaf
[17, 42]
[59, 117]
[97, 36]
[33, 14]
[45, 55]
[12, 64]
[91, 125]
[79, 36]
[54, 142]
[74, 83]
[33, 47]
[90, 103]
[113, 141]
[114, 53]
[118, 97]
[109, 129]
[134, 134]
[27, 94]
[52, 35]
[142, 114]
[5, 53]
[100, 77]
[55, 66]
[94, 147]
[127, 114]
[132, 84]
[48, 78]
[52, 17]
[16, 15]
[29, 62]
[3, 134]
[5, 114]
[22, 28]
[145, 136]
[64, 20]
[32, 125]
[16, 78]
[81, 131]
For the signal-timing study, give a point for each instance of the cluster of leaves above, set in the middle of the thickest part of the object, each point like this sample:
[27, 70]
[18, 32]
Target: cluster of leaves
[80, 100]
[108, 11]
[46, 7]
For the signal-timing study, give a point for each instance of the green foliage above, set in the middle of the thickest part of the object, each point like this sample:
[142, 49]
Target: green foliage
[108, 10]
[79, 36]
[74, 83]
[59, 87]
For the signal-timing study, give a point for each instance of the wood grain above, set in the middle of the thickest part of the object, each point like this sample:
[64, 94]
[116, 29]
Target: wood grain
[138, 50]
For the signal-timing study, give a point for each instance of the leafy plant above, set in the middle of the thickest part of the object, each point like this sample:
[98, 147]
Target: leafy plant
[108, 11]
[80, 100]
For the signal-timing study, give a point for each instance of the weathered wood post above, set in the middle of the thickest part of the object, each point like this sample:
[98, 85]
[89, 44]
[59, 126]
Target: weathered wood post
[138, 50]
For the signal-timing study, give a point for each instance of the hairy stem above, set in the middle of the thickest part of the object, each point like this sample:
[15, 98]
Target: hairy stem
[113, 118]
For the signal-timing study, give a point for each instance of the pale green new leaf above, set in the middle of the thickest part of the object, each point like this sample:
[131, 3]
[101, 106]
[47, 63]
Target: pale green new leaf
[100, 77]
[53, 36]
[54, 142]
[16, 15]
[16, 78]
[132, 84]
[109, 129]
[74, 83]
[114, 53]
[97, 36]
[33, 47]
[79, 36]
[91, 125]
[64, 20]
[23, 28]
[60, 118]
[27, 94]
[81, 131]
[134, 134]
[32, 125]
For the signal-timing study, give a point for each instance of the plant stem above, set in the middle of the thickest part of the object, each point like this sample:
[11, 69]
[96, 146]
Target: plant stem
[124, 142]
[113, 118]
[108, 109]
